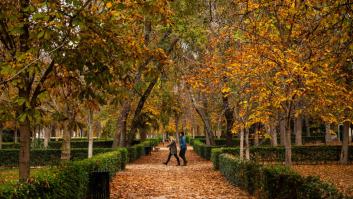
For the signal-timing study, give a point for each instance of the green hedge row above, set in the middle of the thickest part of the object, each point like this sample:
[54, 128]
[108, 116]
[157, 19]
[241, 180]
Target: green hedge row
[202, 149]
[272, 182]
[82, 139]
[66, 181]
[74, 144]
[300, 154]
[236, 141]
[138, 150]
[40, 157]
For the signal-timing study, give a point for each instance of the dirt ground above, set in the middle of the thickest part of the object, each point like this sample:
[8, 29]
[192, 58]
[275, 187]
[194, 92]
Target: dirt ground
[149, 178]
[340, 175]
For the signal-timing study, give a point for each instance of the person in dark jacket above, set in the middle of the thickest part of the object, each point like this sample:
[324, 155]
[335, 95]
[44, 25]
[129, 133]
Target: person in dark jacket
[183, 147]
[172, 150]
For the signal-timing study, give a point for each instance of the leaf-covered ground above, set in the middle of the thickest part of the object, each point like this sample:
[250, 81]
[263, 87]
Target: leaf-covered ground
[149, 178]
[340, 175]
[11, 175]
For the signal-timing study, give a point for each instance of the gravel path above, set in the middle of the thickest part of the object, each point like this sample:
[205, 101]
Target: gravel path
[149, 178]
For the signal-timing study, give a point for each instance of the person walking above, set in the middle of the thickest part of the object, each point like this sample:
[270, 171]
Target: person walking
[172, 150]
[183, 147]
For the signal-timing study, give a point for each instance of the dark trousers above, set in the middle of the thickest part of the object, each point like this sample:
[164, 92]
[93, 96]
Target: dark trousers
[182, 155]
[170, 155]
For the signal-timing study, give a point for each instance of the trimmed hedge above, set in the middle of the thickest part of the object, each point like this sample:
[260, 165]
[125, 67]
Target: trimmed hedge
[40, 157]
[264, 142]
[300, 154]
[74, 144]
[274, 181]
[216, 152]
[138, 150]
[202, 149]
[67, 181]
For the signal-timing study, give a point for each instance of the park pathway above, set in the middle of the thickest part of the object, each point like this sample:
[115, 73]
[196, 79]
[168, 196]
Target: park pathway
[148, 178]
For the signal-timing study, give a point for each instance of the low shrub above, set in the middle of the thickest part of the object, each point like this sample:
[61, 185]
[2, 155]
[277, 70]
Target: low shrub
[273, 181]
[202, 149]
[74, 144]
[69, 180]
[138, 150]
[82, 144]
[132, 153]
[41, 157]
[216, 152]
[300, 154]
[262, 142]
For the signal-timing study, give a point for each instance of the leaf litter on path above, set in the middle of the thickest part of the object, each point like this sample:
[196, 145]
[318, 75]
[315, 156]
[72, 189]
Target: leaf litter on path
[148, 177]
[339, 175]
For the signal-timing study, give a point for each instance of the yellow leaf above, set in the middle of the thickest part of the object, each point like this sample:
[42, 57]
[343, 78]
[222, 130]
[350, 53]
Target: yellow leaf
[225, 90]
[109, 5]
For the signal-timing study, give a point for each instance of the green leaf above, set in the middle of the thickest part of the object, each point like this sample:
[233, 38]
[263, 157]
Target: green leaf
[40, 34]
[22, 117]
[16, 31]
[20, 101]
[38, 15]
[37, 114]
[42, 96]
[121, 6]
[46, 35]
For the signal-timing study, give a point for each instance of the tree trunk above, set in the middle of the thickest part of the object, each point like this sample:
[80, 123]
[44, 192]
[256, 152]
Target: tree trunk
[57, 134]
[16, 135]
[52, 131]
[210, 136]
[288, 144]
[202, 112]
[0, 137]
[177, 127]
[24, 156]
[120, 135]
[145, 96]
[298, 133]
[327, 133]
[272, 132]
[256, 138]
[193, 132]
[46, 137]
[206, 135]
[307, 126]
[228, 114]
[24, 91]
[90, 134]
[247, 149]
[183, 125]
[66, 145]
[241, 152]
[345, 144]
[282, 130]
[143, 134]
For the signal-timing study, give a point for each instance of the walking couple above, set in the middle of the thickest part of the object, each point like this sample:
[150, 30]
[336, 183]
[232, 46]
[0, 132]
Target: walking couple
[173, 149]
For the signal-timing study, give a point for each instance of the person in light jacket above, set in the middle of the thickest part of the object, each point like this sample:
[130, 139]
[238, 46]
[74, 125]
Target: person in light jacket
[172, 150]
